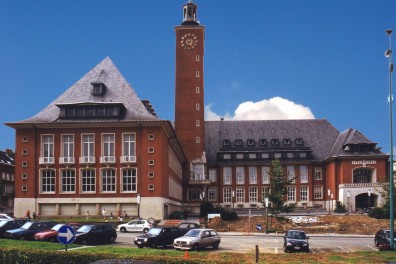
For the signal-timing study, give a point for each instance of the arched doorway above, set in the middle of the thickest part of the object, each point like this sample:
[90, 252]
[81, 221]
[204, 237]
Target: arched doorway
[363, 200]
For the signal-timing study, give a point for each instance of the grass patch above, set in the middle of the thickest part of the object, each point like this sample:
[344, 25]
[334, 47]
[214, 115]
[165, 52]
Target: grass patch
[9, 243]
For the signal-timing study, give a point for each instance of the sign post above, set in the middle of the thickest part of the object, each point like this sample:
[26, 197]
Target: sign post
[66, 235]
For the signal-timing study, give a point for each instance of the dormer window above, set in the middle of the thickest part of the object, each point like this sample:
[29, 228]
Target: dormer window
[299, 141]
[286, 142]
[98, 89]
[275, 142]
[250, 142]
[238, 143]
[263, 142]
[226, 143]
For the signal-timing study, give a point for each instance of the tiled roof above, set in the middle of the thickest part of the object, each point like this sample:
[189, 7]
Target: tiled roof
[317, 134]
[118, 91]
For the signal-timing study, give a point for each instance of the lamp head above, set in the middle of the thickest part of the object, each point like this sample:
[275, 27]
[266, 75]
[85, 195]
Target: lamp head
[389, 31]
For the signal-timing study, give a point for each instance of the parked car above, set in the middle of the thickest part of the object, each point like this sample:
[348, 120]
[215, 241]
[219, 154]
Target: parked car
[5, 217]
[295, 240]
[198, 238]
[158, 236]
[27, 231]
[52, 234]
[382, 239]
[135, 226]
[95, 234]
[10, 224]
[187, 226]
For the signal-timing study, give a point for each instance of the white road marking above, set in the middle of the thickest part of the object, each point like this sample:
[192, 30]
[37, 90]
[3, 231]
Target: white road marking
[373, 248]
[344, 249]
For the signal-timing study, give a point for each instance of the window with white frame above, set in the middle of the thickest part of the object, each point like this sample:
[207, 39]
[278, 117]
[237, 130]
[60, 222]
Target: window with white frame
[108, 180]
[278, 155]
[227, 175]
[291, 174]
[291, 193]
[47, 146]
[67, 146]
[197, 106]
[47, 181]
[318, 192]
[252, 156]
[88, 144]
[213, 175]
[128, 145]
[303, 174]
[227, 156]
[212, 194]
[318, 173]
[239, 156]
[265, 175]
[252, 175]
[88, 181]
[197, 123]
[265, 155]
[253, 194]
[108, 145]
[240, 175]
[68, 181]
[264, 192]
[129, 180]
[193, 194]
[199, 172]
[240, 195]
[303, 193]
[227, 195]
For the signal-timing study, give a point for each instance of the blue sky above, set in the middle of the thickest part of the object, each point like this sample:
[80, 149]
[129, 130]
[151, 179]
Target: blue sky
[288, 58]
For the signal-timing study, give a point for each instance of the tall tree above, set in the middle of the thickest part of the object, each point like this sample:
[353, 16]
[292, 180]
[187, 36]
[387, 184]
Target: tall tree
[278, 189]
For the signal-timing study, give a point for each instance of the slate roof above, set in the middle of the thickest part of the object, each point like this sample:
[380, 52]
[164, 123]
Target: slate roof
[118, 91]
[317, 134]
[6, 158]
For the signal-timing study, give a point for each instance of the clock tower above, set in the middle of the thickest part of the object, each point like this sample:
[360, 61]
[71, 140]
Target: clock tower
[189, 91]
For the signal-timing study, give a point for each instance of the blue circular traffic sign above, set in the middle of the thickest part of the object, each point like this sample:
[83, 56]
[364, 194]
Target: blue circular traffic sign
[66, 235]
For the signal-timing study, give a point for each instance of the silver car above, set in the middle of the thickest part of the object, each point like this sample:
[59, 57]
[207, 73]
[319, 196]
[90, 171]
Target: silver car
[135, 226]
[198, 238]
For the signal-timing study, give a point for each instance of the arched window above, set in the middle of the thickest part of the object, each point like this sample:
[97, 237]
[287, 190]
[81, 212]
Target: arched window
[362, 175]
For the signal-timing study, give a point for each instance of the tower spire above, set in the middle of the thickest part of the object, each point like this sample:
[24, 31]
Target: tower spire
[190, 14]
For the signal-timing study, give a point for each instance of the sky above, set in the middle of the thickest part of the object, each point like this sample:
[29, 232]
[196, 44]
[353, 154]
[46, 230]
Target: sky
[269, 59]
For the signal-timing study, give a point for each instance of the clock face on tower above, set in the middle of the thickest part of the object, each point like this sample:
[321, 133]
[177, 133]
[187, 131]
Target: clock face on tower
[189, 41]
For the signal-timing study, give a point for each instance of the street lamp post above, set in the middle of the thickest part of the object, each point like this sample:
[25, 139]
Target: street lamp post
[328, 195]
[233, 195]
[388, 54]
[331, 195]
[369, 202]
[138, 199]
[348, 194]
[266, 199]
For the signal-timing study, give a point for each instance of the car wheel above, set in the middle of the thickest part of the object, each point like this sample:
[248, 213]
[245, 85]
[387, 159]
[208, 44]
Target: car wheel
[112, 240]
[123, 229]
[376, 243]
[153, 245]
[145, 230]
[140, 246]
[307, 250]
[195, 247]
[285, 250]
[52, 240]
[216, 245]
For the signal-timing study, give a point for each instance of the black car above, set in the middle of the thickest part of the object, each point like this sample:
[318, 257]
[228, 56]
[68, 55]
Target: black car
[27, 231]
[96, 234]
[295, 240]
[10, 224]
[158, 236]
[187, 226]
[382, 239]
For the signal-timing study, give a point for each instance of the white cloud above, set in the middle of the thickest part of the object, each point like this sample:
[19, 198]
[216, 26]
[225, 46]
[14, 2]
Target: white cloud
[272, 109]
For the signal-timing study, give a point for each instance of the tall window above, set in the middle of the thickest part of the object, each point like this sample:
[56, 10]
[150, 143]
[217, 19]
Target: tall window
[47, 181]
[48, 146]
[212, 194]
[291, 174]
[108, 180]
[129, 180]
[68, 181]
[240, 175]
[362, 175]
[265, 175]
[252, 175]
[128, 143]
[252, 194]
[318, 173]
[68, 145]
[108, 145]
[193, 194]
[227, 195]
[88, 180]
[213, 175]
[303, 193]
[318, 192]
[264, 192]
[240, 195]
[227, 175]
[88, 145]
[291, 193]
[199, 172]
[303, 174]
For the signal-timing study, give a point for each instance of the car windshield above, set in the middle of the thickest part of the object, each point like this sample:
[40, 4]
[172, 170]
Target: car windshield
[154, 231]
[193, 233]
[27, 225]
[56, 228]
[85, 228]
[387, 234]
[296, 235]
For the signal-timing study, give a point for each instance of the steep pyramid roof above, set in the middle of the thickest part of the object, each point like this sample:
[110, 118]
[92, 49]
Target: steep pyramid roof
[118, 91]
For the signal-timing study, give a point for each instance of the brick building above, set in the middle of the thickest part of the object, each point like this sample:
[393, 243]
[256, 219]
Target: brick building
[98, 146]
[6, 181]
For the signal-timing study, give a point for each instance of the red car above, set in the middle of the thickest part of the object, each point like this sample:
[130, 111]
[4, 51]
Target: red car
[52, 234]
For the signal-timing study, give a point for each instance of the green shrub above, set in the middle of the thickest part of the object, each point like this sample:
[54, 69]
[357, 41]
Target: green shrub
[378, 213]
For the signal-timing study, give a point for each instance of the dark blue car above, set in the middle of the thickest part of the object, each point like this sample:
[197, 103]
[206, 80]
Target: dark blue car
[27, 231]
[10, 224]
